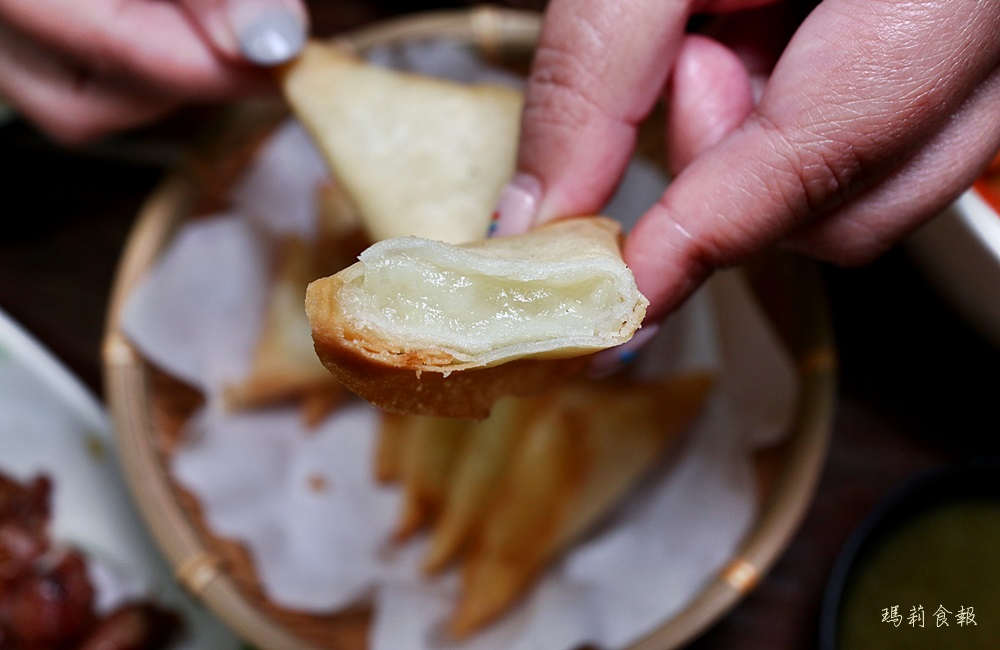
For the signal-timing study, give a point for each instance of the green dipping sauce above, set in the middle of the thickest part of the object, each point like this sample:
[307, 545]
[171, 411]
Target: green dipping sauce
[945, 560]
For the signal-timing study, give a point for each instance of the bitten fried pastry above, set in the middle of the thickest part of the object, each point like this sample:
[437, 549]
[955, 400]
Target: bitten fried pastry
[423, 327]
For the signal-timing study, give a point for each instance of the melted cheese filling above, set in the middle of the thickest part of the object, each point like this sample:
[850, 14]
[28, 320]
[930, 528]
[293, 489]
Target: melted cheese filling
[473, 312]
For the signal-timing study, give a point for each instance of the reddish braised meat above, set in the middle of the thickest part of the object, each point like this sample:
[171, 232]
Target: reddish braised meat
[24, 518]
[46, 597]
[52, 604]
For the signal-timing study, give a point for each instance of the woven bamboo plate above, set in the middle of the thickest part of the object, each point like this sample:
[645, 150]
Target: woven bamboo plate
[149, 407]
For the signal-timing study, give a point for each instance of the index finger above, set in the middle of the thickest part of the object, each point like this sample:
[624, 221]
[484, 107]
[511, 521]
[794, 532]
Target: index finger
[598, 69]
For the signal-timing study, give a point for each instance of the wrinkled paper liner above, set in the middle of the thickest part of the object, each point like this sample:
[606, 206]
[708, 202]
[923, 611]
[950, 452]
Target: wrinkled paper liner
[305, 503]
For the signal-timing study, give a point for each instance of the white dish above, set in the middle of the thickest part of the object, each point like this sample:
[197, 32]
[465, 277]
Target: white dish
[50, 423]
[960, 253]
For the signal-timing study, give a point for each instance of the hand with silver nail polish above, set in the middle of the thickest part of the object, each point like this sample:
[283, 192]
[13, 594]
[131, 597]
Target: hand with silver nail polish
[82, 70]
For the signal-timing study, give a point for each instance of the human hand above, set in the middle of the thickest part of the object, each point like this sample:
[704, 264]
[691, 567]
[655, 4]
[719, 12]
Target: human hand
[873, 116]
[80, 70]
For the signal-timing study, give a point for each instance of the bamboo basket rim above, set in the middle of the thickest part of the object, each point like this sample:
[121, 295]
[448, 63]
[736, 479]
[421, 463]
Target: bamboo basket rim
[126, 377]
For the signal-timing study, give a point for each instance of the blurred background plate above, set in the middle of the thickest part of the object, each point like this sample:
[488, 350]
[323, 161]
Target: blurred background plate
[50, 424]
[149, 407]
[960, 253]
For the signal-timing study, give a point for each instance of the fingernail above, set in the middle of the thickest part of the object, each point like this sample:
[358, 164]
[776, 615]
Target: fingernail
[516, 206]
[269, 32]
[608, 362]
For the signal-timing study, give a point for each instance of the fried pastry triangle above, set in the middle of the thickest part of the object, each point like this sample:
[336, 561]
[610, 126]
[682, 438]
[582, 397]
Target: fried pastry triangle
[418, 155]
[586, 449]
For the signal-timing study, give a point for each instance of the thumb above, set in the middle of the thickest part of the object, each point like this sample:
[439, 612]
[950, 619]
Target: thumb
[265, 32]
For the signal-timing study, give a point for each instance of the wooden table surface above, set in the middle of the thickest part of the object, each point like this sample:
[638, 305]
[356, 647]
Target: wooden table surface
[918, 388]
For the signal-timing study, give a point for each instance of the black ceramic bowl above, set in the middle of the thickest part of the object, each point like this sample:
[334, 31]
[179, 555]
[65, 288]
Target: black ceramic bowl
[922, 570]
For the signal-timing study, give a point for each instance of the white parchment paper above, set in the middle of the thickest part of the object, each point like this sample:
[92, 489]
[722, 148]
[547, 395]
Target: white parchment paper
[304, 501]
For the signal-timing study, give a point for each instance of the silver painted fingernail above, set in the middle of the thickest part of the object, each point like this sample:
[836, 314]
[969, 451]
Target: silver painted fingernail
[274, 36]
